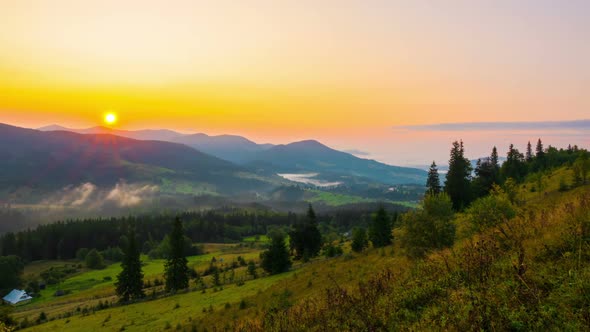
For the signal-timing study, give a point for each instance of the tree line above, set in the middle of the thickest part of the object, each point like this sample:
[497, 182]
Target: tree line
[463, 184]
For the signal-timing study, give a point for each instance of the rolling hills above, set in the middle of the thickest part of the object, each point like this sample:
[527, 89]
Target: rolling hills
[45, 161]
[309, 156]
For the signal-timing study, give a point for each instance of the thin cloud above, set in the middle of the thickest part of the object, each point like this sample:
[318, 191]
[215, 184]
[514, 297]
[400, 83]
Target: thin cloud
[576, 125]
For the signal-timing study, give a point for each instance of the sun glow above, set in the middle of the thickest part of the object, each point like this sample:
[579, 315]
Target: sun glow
[110, 118]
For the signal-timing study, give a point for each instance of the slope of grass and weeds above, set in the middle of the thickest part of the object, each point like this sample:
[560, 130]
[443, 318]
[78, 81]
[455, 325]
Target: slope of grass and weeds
[519, 262]
[526, 272]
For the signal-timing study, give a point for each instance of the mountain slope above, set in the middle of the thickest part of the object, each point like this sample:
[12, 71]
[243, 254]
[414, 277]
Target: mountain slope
[52, 160]
[236, 149]
[305, 156]
[312, 156]
[233, 148]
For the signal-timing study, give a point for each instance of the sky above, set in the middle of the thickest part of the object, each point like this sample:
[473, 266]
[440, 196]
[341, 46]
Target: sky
[366, 76]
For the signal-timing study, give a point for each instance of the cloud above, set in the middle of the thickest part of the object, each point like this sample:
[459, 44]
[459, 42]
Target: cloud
[126, 195]
[89, 196]
[575, 125]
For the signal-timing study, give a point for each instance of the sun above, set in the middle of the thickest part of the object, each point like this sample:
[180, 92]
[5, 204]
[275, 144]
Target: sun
[110, 118]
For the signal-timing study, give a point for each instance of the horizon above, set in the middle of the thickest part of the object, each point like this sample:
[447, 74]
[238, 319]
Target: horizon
[371, 76]
[549, 130]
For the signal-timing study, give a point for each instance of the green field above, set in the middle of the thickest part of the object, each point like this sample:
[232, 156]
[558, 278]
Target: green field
[333, 199]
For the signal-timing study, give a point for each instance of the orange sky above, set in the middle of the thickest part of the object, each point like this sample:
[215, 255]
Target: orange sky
[342, 71]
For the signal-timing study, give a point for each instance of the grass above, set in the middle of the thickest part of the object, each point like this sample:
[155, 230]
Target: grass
[256, 239]
[155, 315]
[90, 286]
[334, 199]
[307, 282]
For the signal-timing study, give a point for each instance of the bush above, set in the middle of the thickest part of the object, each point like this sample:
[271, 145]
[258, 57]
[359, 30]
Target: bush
[94, 260]
[490, 211]
[81, 253]
[429, 228]
[331, 250]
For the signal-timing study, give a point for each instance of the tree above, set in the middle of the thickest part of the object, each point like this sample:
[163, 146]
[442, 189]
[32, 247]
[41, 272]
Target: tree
[130, 280]
[252, 269]
[380, 229]
[529, 152]
[12, 268]
[429, 228]
[515, 166]
[94, 260]
[176, 268]
[306, 238]
[276, 259]
[539, 162]
[581, 167]
[82, 253]
[539, 149]
[433, 181]
[359, 239]
[491, 210]
[485, 177]
[458, 178]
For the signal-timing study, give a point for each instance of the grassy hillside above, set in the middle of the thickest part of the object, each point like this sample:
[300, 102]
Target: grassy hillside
[529, 272]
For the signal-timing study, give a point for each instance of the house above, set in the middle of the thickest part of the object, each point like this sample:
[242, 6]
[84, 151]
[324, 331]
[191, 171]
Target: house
[17, 296]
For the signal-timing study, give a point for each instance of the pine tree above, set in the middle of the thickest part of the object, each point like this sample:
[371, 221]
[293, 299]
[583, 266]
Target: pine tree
[306, 238]
[458, 179]
[539, 149]
[380, 229]
[529, 152]
[515, 166]
[276, 259]
[539, 163]
[485, 177]
[433, 181]
[130, 280]
[176, 268]
[359, 239]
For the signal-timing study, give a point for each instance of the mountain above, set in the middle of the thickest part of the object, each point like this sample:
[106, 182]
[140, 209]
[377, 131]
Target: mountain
[44, 161]
[311, 156]
[236, 149]
[233, 148]
[148, 134]
[331, 165]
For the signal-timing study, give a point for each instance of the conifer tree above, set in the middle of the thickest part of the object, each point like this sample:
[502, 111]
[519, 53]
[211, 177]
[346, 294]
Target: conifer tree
[539, 163]
[485, 177]
[529, 152]
[276, 259]
[380, 229]
[130, 280]
[433, 181]
[514, 167]
[306, 238]
[458, 179]
[176, 268]
[539, 149]
[359, 239]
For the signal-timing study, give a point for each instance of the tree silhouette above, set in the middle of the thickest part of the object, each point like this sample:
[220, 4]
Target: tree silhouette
[380, 229]
[130, 280]
[457, 185]
[176, 268]
[433, 181]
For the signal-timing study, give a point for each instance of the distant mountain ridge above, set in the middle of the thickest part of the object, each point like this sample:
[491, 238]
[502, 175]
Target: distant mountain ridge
[52, 160]
[228, 147]
[308, 156]
[331, 164]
